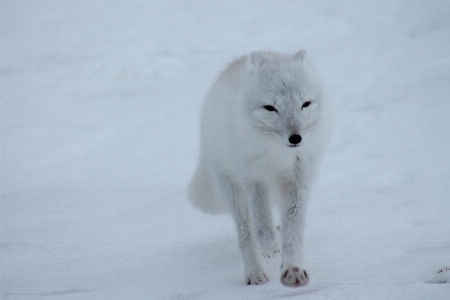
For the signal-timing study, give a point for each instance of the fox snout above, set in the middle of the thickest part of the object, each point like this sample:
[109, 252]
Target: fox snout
[294, 140]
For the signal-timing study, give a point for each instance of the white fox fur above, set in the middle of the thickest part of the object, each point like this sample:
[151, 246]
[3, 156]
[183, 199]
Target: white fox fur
[264, 127]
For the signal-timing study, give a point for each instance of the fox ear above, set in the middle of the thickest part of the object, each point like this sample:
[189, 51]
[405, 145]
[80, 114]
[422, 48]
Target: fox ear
[300, 55]
[257, 59]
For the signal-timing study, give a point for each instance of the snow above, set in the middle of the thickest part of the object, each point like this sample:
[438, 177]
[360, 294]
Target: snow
[100, 105]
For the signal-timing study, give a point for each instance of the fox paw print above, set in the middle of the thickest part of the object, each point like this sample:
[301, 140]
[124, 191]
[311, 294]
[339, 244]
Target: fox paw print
[294, 277]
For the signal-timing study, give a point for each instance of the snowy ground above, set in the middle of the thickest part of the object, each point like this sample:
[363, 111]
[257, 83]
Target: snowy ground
[100, 106]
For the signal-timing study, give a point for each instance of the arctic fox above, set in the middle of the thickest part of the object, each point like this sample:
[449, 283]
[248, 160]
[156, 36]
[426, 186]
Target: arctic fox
[264, 126]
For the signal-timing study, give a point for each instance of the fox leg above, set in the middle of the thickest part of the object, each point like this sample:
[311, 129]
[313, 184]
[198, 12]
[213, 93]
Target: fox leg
[254, 272]
[292, 227]
[266, 233]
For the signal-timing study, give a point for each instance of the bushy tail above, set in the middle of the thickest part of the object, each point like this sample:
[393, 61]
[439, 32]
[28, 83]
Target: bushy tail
[202, 193]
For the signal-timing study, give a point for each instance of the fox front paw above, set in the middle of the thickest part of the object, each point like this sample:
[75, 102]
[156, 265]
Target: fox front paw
[294, 277]
[257, 278]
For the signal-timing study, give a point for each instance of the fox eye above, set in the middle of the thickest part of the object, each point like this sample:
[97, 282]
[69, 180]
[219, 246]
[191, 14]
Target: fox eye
[270, 108]
[306, 104]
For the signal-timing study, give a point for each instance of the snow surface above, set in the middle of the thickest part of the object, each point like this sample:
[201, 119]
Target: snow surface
[100, 105]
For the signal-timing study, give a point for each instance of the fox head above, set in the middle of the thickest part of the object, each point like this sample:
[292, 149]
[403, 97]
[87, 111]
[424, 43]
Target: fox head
[283, 97]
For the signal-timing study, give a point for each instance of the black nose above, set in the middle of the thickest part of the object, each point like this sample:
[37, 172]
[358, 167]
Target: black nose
[295, 139]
